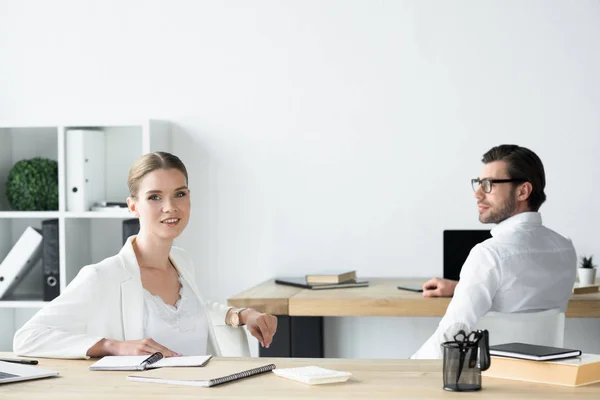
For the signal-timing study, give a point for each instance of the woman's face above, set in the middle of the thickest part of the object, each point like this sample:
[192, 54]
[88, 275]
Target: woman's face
[162, 203]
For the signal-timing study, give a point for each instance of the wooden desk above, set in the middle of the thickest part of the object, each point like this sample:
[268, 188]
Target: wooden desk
[371, 379]
[300, 311]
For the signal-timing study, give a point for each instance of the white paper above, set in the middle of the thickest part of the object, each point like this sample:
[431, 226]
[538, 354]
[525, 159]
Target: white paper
[312, 375]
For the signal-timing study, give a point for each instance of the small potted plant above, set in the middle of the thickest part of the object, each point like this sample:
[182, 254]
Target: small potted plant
[32, 185]
[586, 271]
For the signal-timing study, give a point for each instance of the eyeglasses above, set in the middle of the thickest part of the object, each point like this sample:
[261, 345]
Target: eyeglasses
[486, 184]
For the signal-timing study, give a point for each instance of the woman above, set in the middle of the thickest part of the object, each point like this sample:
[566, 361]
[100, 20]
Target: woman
[144, 299]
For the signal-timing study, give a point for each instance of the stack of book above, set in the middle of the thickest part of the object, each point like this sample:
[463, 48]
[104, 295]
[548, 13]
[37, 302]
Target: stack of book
[583, 289]
[543, 364]
[325, 280]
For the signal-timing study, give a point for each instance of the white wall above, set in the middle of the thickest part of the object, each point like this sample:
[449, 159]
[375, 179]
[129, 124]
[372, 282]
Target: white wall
[328, 134]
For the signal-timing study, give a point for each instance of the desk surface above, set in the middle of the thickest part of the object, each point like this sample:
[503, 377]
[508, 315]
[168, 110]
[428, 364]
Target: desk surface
[371, 379]
[380, 298]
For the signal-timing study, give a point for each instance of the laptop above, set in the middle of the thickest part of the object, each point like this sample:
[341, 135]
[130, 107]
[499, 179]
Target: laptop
[457, 245]
[11, 372]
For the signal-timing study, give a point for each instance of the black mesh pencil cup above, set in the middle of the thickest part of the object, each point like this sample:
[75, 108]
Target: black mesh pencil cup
[462, 366]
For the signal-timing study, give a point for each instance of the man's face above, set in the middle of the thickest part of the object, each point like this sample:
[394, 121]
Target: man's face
[501, 202]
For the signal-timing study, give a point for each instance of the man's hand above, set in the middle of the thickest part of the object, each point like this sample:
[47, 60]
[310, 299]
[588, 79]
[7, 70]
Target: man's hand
[261, 326]
[438, 287]
[108, 347]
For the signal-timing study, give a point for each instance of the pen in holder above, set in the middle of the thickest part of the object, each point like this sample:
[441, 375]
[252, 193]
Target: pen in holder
[462, 369]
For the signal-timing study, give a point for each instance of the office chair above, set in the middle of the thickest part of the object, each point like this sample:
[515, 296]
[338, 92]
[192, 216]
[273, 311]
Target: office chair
[544, 328]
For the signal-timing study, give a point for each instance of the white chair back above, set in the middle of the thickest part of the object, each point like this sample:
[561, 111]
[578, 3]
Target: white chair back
[233, 342]
[544, 328]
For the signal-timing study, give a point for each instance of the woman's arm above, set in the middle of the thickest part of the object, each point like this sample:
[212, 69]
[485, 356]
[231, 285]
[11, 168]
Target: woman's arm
[59, 329]
[109, 347]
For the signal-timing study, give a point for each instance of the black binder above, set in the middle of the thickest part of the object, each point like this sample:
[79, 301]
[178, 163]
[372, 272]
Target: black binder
[130, 227]
[50, 259]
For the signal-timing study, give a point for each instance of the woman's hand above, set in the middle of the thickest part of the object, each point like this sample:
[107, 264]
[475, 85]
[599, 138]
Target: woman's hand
[261, 326]
[108, 347]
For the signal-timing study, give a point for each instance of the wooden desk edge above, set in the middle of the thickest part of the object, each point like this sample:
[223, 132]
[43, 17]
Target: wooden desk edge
[580, 306]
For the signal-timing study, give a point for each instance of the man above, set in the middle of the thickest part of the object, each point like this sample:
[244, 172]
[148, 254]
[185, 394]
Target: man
[524, 267]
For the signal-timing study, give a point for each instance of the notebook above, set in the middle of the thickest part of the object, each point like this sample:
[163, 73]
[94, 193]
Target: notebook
[202, 382]
[313, 375]
[10, 372]
[301, 282]
[141, 363]
[532, 352]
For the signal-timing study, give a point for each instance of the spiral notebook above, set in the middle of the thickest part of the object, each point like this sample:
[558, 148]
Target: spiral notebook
[204, 383]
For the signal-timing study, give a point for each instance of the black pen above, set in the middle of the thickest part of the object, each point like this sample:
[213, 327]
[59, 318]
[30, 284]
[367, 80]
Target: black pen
[19, 361]
[152, 359]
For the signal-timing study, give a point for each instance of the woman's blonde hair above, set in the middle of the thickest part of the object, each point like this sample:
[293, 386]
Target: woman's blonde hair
[151, 162]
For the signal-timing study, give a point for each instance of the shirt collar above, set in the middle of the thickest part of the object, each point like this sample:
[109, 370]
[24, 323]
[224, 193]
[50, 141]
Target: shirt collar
[525, 218]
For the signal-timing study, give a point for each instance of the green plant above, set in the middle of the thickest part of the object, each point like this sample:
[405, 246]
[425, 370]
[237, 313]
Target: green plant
[586, 262]
[32, 185]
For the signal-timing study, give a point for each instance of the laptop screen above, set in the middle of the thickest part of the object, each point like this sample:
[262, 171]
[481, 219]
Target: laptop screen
[457, 245]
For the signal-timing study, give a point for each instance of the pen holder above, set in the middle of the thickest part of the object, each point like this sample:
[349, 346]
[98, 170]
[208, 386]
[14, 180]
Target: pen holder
[462, 366]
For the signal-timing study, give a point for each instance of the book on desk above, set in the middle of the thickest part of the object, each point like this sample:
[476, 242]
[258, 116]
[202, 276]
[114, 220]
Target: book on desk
[584, 289]
[575, 371]
[301, 282]
[532, 352]
[331, 277]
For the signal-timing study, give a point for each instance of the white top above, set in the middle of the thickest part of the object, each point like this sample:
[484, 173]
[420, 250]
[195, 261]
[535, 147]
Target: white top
[182, 328]
[524, 267]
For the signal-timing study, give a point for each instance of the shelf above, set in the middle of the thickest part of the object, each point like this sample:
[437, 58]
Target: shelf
[99, 214]
[29, 214]
[84, 237]
[67, 214]
[6, 124]
[22, 303]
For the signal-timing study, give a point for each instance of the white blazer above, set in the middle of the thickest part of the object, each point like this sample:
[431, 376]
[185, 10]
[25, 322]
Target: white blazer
[105, 300]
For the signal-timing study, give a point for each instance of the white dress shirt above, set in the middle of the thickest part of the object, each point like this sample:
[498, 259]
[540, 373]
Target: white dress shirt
[524, 267]
[183, 327]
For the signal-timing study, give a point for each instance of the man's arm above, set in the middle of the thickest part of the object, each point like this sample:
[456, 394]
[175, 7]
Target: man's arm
[438, 287]
[473, 297]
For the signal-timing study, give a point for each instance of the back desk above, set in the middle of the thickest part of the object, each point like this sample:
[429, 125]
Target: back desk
[300, 311]
[371, 379]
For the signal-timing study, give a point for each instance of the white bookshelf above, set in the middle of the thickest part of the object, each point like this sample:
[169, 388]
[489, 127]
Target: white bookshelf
[85, 237]
[22, 304]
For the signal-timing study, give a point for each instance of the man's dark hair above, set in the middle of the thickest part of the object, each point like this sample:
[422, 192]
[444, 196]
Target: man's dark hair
[522, 163]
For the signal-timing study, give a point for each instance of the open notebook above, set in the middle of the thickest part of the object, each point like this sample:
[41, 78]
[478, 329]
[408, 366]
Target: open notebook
[141, 363]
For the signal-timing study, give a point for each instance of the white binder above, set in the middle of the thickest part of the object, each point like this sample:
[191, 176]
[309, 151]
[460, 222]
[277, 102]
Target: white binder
[20, 259]
[85, 175]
